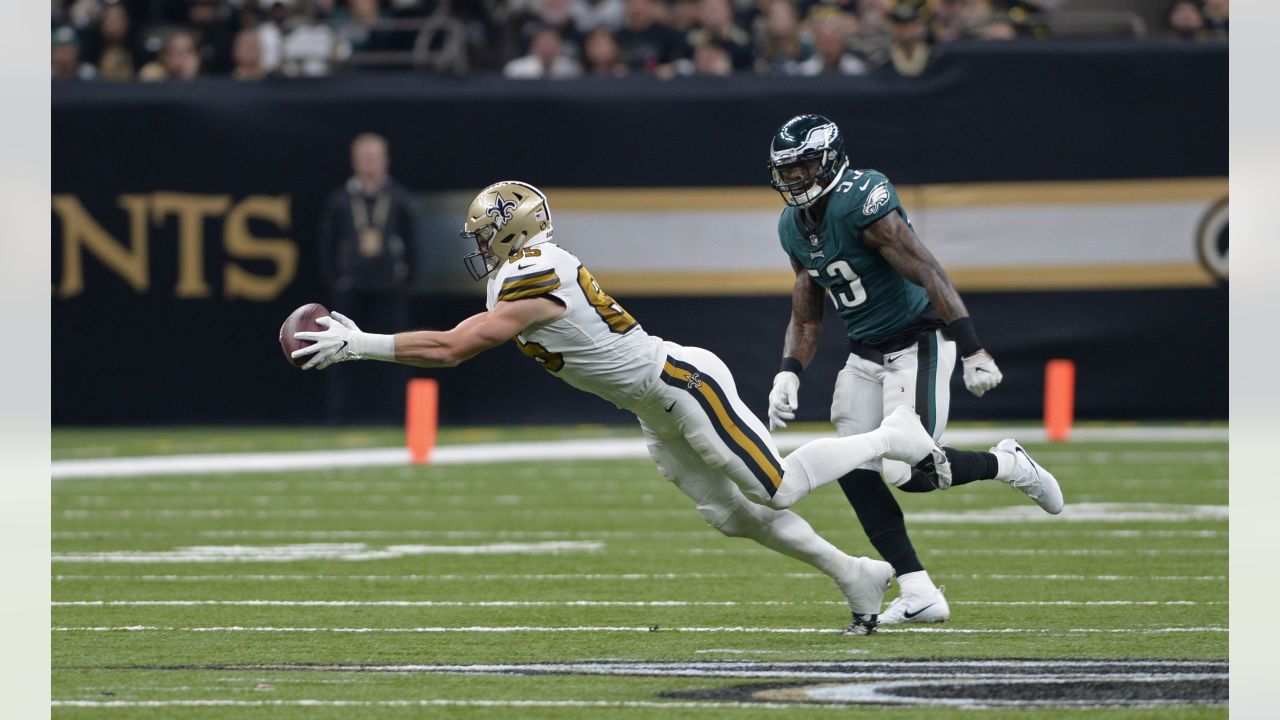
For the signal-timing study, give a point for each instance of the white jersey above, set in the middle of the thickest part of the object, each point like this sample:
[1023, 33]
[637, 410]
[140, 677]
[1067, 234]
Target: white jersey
[594, 345]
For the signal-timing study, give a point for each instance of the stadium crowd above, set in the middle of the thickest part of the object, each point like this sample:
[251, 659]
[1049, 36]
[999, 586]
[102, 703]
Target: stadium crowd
[254, 39]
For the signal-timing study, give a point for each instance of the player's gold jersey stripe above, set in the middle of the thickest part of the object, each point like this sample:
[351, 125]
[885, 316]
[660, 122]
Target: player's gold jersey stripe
[528, 292]
[723, 416]
[522, 280]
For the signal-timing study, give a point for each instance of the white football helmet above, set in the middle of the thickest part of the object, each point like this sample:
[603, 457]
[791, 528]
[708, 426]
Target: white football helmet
[503, 218]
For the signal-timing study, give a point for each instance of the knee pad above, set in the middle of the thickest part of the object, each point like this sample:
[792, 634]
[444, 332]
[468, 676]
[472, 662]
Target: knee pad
[743, 519]
[664, 460]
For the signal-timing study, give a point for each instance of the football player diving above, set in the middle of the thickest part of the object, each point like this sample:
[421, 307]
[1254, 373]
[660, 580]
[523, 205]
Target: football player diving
[698, 431]
[848, 237]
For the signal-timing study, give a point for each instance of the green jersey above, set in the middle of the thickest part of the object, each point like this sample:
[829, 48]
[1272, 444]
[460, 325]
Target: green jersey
[874, 301]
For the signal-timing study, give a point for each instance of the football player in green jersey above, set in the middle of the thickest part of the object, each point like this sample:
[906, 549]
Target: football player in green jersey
[848, 237]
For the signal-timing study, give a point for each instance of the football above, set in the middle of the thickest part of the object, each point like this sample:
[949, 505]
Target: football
[300, 320]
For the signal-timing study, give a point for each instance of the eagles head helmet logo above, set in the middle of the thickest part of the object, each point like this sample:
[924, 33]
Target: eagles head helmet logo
[503, 218]
[806, 159]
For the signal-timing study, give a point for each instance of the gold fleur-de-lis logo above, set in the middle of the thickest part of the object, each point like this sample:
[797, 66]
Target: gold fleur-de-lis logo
[695, 381]
[501, 209]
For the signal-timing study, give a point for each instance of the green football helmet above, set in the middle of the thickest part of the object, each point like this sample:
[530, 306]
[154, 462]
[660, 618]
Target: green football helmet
[806, 159]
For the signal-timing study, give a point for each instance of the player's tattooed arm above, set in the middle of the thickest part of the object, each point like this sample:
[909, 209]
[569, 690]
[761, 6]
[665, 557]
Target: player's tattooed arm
[902, 249]
[804, 331]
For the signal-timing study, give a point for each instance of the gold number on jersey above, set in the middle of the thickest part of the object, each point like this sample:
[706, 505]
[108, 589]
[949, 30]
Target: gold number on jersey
[552, 361]
[523, 253]
[618, 320]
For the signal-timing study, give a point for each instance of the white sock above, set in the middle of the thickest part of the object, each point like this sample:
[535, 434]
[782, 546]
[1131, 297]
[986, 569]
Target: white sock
[826, 460]
[1004, 465]
[916, 583]
[786, 532]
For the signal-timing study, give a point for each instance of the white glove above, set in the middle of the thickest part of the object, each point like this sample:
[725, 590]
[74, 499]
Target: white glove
[783, 399]
[342, 341]
[981, 373]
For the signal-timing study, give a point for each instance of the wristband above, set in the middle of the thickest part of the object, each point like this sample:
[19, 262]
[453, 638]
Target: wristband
[790, 364]
[961, 330]
[372, 346]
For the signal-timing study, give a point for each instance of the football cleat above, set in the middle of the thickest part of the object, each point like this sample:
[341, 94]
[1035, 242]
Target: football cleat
[864, 588]
[1031, 479]
[932, 608]
[910, 443]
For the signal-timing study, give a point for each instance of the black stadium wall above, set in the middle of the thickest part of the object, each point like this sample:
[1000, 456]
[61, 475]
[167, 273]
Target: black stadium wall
[184, 219]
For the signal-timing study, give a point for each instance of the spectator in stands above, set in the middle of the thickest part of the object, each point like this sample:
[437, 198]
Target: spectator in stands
[356, 24]
[711, 58]
[178, 59]
[601, 55]
[1185, 20]
[1216, 14]
[64, 56]
[591, 14]
[271, 32]
[546, 59]
[983, 22]
[715, 25]
[246, 53]
[112, 46]
[212, 27]
[780, 45]
[948, 22]
[648, 44]
[868, 36]
[311, 47]
[366, 261]
[683, 17]
[556, 15]
[831, 57]
[910, 52]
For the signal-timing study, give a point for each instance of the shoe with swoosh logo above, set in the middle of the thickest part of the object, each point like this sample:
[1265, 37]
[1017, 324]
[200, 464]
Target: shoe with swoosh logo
[917, 609]
[1029, 478]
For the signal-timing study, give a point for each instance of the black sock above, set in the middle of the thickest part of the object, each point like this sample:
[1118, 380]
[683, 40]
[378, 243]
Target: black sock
[966, 466]
[881, 519]
[970, 465]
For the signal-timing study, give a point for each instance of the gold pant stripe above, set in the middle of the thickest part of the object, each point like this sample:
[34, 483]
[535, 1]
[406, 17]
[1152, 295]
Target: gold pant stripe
[723, 416]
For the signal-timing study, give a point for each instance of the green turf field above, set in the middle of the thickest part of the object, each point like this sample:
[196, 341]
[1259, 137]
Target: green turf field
[342, 593]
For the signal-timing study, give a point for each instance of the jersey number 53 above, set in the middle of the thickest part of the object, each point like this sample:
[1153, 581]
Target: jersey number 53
[847, 291]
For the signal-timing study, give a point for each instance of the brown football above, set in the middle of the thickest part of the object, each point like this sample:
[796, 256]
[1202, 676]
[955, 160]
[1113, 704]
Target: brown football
[301, 320]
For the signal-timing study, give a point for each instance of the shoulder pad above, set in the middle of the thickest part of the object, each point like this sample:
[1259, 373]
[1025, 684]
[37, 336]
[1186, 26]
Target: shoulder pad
[529, 273]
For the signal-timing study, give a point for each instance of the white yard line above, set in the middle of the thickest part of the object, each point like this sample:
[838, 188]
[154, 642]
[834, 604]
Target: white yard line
[630, 629]
[583, 603]
[700, 705]
[625, 448]
[575, 577]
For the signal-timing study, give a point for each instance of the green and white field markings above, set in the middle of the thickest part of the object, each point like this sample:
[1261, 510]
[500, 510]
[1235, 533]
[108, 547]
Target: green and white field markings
[588, 588]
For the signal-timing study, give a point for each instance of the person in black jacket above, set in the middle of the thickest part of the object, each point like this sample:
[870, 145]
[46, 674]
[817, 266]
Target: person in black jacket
[366, 262]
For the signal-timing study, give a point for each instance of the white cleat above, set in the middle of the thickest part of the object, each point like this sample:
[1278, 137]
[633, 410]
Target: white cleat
[865, 588]
[1031, 479]
[932, 608]
[910, 443]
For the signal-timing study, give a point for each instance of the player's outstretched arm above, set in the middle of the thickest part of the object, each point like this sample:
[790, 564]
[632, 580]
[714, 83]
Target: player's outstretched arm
[427, 348]
[902, 249]
[342, 340]
[804, 331]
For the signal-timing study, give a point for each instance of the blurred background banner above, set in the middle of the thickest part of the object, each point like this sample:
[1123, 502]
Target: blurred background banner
[1075, 191]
